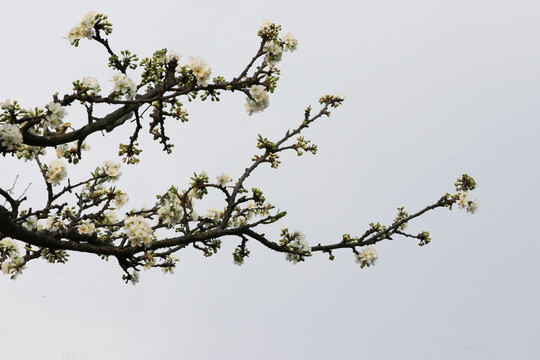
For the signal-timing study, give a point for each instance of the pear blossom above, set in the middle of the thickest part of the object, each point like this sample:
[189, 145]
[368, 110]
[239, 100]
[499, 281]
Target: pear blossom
[367, 257]
[200, 70]
[56, 172]
[10, 136]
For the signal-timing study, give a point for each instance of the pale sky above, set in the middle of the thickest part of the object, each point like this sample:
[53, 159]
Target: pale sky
[434, 89]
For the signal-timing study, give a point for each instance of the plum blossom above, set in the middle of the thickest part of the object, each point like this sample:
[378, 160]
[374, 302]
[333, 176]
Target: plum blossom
[473, 206]
[258, 101]
[120, 199]
[56, 172]
[86, 228]
[273, 51]
[10, 136]
[171, 211]
[112, 170]
[299, 244]
[290, 43]
[138, 230]
[123, 85]
[30, 223]
[367, 257]
[463, 200]
[85, 29]
[92, 84]
[223, 179]
[57, 113]
[4, 105]
[200, 70]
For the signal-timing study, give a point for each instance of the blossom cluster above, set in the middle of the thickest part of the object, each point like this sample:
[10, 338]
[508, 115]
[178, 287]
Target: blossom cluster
[86, 228]
[112, 170]
[170, 264]
[223, 179]
[273, 51]
[290, 43]
[138, 231]
[55, 116]
[367, 257]
[258, 100]
[200, 70]
[85, 29]
[10, 136]
[170, 211]
[12, 264]
[123, 85]
[91, 84]
[295, 242]
[464, 203]
[56, 172]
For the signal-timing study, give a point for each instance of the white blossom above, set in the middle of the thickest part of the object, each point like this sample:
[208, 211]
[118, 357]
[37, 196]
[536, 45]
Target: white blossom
[299, 244]
[111, 169]
[290, 42]
[6, 104]
[258, 101]
[250, 204]
[85, 29]
[121, 199]
[173, 55]
[367, 257]
[10, 136]
[92, 84]
[473, 206]
[123, 85]
[86, 228]
[56, 172]
[30, 223]
[273, 51]
[110, 217]
[170, 211]
[9, 246]
[57, 113]
[266, 24]
[213, 214]
[223, 179]
[138, 230]
[200, 70]
[463, 200]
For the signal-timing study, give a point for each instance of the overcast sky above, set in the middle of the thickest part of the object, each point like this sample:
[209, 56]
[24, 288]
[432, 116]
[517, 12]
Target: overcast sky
[434, 89]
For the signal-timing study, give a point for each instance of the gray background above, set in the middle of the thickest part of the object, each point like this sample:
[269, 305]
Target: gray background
[434, 89]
